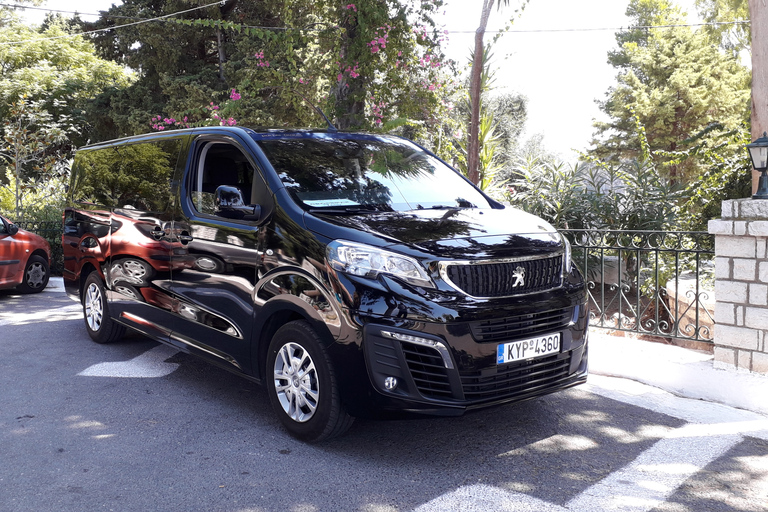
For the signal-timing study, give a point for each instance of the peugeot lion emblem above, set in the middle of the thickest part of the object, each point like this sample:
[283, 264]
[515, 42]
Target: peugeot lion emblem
[519, 275]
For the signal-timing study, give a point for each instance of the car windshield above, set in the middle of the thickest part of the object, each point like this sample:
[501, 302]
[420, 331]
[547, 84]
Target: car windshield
[371, 174]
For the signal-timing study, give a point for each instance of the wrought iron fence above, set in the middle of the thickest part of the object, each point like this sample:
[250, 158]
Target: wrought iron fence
[51, 231]
[648, 282]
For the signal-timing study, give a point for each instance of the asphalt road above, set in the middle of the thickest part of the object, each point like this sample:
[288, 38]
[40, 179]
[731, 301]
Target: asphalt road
[134, 426]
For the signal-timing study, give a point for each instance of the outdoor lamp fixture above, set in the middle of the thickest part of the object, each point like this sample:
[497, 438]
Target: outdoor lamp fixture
[758, 152]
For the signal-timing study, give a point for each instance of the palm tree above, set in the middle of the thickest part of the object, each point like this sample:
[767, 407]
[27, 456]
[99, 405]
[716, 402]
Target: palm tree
[475, 90]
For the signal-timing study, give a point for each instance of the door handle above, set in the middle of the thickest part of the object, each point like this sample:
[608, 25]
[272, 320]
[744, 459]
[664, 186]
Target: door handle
[185, 239]
[157, 233]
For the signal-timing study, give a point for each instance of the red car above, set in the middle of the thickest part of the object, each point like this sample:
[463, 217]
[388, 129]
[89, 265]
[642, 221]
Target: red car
[24, 259]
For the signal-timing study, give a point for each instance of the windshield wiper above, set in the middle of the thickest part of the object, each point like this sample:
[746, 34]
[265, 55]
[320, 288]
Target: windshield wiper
[346, 210]
[445, 207]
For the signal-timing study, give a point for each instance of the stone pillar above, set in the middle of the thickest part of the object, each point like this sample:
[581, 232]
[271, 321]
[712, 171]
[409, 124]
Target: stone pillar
[741, 285]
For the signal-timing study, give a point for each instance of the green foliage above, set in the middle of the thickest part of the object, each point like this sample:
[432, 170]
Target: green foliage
[509, 113]
[598, 195]
[501, 122]
[129, 175]
[552, 190]
[727, 174]
[265, 64]
[733, 37]
[676, 83]
[30, 149]
[59, 71]
[43, 200]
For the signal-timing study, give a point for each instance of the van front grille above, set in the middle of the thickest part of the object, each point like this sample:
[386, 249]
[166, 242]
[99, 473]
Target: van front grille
[506, 279]
[521, 326]
[520, 378]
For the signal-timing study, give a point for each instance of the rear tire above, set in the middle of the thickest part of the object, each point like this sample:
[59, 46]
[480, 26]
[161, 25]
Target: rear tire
[36, 274]
[99, 324]
[302, 384]
[132, 270]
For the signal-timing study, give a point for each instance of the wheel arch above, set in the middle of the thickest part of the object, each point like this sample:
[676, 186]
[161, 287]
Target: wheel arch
[85, 271]
[274, 314]
[42, 254]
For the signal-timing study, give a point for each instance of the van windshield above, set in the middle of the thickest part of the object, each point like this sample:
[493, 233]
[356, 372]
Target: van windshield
[372, 174]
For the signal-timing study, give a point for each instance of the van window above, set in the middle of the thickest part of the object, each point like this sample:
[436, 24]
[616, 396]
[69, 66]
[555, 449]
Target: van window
[134, 176]
[220, 163]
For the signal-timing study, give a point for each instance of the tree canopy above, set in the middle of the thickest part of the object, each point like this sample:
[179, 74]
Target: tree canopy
[683, 90]
[735, 35]
[61, 71]
[366, 64]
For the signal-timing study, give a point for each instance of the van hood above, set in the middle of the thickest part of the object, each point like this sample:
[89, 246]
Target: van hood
[450, 233]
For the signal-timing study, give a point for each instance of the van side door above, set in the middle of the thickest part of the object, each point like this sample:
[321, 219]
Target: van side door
[224, 208]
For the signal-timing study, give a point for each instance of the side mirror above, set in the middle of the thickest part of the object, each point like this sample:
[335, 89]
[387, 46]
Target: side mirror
[10, 229]
[230, 204]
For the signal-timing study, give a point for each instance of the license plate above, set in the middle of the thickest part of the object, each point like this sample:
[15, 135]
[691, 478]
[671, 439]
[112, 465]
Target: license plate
[528, 349]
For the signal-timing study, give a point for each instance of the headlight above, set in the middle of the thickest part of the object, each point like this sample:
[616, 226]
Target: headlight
[366, 261]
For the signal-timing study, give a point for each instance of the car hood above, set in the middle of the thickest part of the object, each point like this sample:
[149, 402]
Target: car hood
[453, 233]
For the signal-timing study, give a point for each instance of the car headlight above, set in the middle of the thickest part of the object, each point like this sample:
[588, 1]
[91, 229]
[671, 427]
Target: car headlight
[366, 261]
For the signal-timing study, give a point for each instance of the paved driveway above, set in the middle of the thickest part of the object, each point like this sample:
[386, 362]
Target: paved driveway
[135, 426]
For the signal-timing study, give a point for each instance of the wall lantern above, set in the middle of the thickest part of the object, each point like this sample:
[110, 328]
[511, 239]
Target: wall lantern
[758, 152]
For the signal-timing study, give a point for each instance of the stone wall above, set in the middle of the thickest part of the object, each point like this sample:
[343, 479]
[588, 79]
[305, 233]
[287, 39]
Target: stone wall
[741, 285]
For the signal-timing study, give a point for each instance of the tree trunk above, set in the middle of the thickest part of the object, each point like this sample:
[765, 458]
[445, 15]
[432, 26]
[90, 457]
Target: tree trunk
[475, 90]
[222, 55]
[17, 169]
[759, 15]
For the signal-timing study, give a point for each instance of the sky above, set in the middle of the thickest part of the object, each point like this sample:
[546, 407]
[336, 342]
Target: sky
[553, 56]
[562, 72]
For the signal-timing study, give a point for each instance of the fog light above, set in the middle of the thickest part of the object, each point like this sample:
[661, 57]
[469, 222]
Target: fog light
[390, 383]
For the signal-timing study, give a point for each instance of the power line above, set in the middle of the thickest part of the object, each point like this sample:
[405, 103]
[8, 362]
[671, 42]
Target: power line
[24, 7]
[511, 31]
[158, 18]
[613, 29]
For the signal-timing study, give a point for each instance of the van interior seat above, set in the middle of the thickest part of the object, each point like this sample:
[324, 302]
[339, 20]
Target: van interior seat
[223, 170]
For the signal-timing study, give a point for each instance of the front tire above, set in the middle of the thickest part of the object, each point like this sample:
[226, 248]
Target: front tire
[99, 324]
[36, 275]
[302, 384]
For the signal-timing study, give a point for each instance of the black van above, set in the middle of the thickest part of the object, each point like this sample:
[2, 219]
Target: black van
[354, 274]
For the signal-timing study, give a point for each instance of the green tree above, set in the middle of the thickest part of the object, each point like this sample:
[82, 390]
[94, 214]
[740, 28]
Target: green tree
[726, 174]
[178, 65]
[502, 118]
[676, 83]
[130, 175]
[31, 142]
[369, 64]
[510, 112]
[732, 36]
[59, 72]
[476, 88]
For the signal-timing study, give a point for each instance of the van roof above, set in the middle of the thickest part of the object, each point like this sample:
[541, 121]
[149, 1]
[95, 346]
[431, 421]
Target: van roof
[255, 133]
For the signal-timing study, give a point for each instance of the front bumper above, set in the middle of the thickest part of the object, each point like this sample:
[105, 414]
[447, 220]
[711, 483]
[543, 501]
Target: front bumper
[443, 369]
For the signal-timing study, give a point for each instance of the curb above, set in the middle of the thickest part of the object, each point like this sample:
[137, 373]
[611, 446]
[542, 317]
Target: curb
[681, 371]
